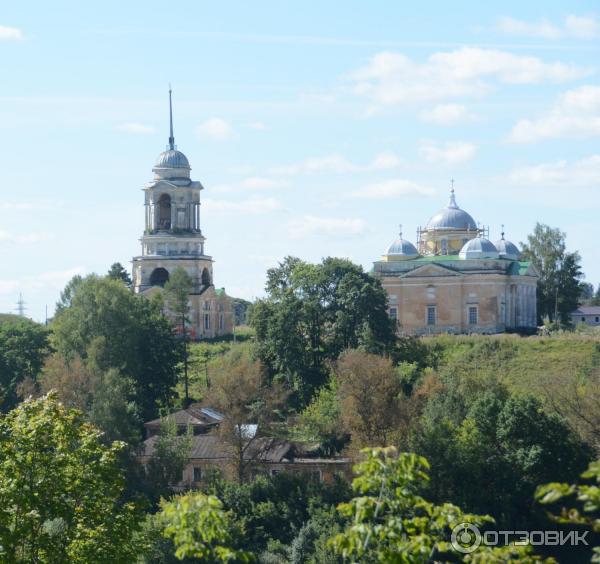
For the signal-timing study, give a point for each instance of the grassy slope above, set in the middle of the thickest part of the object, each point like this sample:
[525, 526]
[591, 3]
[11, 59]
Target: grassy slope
[524, 364]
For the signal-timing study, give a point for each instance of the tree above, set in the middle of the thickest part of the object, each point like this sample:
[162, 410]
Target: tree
[177, 291]
[109, 327]
[23, 348]
[371, 397]
[200, 529]
[118, 272]
[60, 489]
[239, 390]
[314, 312]
[559, 284]
[389, 522]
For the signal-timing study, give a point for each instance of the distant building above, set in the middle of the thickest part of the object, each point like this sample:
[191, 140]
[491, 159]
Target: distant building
[173, 238]
[590, 315]
[457, 281]
[267, 455]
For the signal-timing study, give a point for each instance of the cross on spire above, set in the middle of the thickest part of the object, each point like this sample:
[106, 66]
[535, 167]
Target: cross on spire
[400, 231]
[503, 231]
[452, 185]
[171, 138]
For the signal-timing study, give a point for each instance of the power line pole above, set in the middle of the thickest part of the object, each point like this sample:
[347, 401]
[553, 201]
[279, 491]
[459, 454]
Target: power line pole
[21, 306]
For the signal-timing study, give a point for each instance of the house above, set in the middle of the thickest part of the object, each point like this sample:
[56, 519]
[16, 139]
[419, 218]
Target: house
[590, 315]
[265, 455]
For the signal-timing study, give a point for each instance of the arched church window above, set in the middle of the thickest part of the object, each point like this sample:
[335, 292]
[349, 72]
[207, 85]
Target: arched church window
[159, 277]
[206, 277]
[164, 212]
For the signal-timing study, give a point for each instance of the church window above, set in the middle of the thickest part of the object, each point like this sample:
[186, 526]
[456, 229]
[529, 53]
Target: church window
[473, 315]
[221, 322]
[205, 277]
[206, 321]
[444, 247]
[597, 319]
[394, 313]
[164, 212]
[430, 315]
[159, 277]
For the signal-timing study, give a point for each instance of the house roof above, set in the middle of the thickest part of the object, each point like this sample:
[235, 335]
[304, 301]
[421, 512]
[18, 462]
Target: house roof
[194, 415]
[587, 310]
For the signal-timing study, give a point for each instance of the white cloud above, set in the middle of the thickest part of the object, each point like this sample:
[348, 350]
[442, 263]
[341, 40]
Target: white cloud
[391, 188]
[575, 114]
[216, 128]
[446, 114]
[10, 33]
[310, 226]
[249, 206]
[338, 164]
[251, 183]
[578, 27]
[34, 237]
[581, 173]
[135, 128]
[257, 125]
[54, 280]
[451, 152]
[392, 78]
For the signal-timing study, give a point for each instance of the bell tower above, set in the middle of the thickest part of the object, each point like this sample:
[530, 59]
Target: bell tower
[173, 238]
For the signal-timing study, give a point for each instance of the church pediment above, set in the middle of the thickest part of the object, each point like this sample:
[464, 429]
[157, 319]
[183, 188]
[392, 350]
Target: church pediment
[430, 270]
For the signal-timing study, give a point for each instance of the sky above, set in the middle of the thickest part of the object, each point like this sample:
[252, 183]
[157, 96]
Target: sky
[316, 128]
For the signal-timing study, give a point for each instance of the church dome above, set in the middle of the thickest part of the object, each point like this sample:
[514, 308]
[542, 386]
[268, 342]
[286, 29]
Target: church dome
[478, 248]
[507, 250]
[172, 158]
[401, 248]
[451, 217]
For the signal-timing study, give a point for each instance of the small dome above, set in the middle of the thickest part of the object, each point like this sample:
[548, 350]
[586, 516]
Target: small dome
[478, 248]
[507, 250]
[451, 217]
[401, 247]
[172, 159]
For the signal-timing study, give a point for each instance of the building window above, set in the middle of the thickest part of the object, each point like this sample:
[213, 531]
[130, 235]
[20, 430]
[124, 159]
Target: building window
[430, 315]
[394, 313]
[197, 474]
[221, 322]
[206, 321]
[597, 319]
[472, 315]
[583, 320]
[444, 247]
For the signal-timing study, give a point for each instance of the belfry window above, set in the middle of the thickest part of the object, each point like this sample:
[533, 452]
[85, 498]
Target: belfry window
[159, 277]
[164, 212]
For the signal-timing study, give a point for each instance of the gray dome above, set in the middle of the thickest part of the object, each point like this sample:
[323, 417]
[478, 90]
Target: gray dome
[478, 248]
[507, 250]
[401, 247]
[451, 217]
[172, 159]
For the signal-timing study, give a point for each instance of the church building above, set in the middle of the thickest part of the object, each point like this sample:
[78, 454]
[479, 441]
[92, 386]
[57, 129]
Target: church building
[173, 238]
[456, 280]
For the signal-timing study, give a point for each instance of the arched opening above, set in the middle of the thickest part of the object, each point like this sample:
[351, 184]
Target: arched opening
[164, 212]
[159, 277]
[206, 277]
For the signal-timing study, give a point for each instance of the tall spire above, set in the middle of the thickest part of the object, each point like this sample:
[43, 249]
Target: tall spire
[171, 138]
[452, 202]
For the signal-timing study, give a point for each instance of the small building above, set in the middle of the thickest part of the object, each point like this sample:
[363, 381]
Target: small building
[590, 315]
[265, 455]
[455, 280]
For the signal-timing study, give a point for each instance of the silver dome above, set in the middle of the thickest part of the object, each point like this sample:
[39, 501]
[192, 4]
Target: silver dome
[401, 247]
[478, 248]
[172, 159]
[451, 217]
[507, 250]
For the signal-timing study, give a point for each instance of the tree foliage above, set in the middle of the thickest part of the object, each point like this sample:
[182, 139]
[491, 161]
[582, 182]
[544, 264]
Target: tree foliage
[117, 272]
[60, 489]
[314, 312]
[109, 327]
[200, 529]
[559, 285]
[23, 348]
[391, 522]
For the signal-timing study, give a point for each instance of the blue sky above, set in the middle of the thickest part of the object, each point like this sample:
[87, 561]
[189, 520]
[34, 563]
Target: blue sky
[315, 127]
